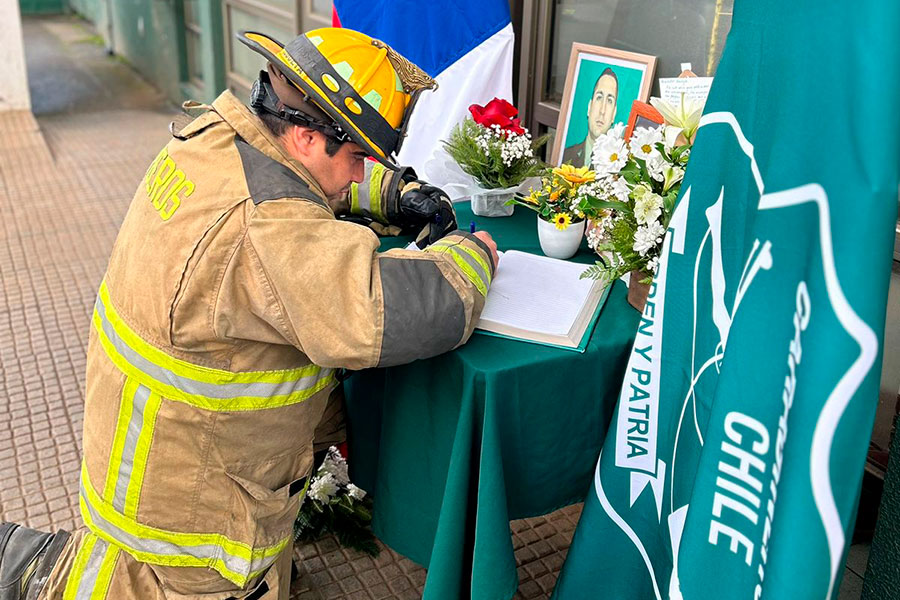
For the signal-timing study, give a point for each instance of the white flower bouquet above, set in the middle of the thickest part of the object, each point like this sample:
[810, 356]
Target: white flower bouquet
[334, 505]
[634, 194]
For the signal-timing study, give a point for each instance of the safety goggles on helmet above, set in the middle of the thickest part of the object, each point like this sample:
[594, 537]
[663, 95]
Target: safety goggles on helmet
[263, 98]
[364, 86]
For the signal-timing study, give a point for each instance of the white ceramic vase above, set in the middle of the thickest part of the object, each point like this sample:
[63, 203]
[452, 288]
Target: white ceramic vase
[557, 243]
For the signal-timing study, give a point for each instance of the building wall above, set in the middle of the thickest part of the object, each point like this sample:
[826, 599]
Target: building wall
[147, 33]
[33, 7]
[150, 35]
[13, 78]
[92, 10]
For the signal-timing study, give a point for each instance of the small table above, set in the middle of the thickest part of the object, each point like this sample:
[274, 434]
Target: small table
[454, 447]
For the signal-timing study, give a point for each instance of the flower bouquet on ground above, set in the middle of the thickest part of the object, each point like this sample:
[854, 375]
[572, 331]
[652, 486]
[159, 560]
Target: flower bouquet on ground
[634, 193]
[497, 152]
[561, 203]
[334, 505]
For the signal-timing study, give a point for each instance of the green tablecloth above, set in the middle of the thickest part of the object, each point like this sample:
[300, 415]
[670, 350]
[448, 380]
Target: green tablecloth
[454, 447]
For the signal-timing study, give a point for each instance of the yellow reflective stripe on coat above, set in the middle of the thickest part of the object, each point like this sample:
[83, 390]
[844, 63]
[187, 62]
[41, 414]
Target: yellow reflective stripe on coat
[118, 447]
[203, 387]
[470, 263]
[131, 447]
[472, 253]
[355, 208]
[375, 180]
[235, 561]
[141, 451]
[92, 570]
[365, 197]
[78, 567]
[104, 577]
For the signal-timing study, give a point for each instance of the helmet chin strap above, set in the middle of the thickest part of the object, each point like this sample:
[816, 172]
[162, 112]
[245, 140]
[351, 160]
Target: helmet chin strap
[264, 99]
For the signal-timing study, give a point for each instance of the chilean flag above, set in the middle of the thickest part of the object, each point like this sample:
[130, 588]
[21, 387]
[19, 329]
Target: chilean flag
[465, 45]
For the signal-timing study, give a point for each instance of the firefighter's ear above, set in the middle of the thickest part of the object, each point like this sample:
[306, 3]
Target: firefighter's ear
[302, 142]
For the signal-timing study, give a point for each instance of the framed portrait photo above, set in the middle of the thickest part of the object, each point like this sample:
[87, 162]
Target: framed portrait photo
[601, 84]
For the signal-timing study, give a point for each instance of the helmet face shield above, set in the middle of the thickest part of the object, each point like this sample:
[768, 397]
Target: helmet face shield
[353, 79]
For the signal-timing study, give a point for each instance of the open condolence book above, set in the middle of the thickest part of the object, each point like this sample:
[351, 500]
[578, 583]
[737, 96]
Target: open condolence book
[542, 300]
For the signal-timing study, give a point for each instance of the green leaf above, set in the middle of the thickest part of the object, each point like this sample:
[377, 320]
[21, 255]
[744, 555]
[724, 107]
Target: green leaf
[679, 150]
[669, 202]
[613, 204]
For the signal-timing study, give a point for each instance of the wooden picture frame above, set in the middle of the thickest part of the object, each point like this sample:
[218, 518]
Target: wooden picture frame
[642, 115]
[588, 65]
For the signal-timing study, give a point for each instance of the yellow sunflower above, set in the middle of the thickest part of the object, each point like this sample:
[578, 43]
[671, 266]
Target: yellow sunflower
[575, 175]
[562, 221]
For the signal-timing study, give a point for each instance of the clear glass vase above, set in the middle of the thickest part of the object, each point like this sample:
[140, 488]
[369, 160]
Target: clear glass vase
[492, 203]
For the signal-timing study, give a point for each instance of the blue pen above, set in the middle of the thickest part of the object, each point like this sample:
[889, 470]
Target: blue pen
[471, 226]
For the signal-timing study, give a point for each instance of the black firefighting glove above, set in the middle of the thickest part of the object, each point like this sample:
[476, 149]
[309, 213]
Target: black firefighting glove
[430, 207]
[394, 202]
[417, 204]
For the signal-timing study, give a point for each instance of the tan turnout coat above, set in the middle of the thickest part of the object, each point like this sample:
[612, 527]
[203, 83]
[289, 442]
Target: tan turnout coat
[232, 299]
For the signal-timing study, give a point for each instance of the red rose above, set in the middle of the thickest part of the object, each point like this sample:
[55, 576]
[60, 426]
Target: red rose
[497, 112]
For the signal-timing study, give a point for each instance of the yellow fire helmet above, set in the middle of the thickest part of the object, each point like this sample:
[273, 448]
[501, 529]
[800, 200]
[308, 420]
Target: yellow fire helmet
[362, 83]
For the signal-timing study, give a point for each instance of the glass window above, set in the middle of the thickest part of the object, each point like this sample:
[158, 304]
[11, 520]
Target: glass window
[194, 56]
[548, 147]
[675, 31]
[244, 62]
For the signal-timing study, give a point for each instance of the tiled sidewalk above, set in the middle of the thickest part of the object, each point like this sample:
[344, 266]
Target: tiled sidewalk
[66, 178]
[329, 572]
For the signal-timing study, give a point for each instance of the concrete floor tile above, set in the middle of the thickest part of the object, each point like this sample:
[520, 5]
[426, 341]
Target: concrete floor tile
[342, 572]
[371, 578]
[390, 571]
[379, 591]
[409, 594]
[529, 590]
[331, 591]
[313, 564]
[399, 584]
[350, 584]
[858, 558]
[851, 586]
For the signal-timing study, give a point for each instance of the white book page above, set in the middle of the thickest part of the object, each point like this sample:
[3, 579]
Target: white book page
[536, 293]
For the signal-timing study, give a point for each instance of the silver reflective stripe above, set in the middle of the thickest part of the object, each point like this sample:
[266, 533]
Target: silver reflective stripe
[222, 391]
[470, 260]
[141, 394]
[91, 570]
[204, 552]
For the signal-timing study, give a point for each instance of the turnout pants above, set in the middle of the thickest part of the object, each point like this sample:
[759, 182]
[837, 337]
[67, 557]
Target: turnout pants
[90, 568]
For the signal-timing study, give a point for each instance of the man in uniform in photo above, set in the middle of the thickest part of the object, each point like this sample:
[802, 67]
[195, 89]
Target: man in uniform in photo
[600, 116]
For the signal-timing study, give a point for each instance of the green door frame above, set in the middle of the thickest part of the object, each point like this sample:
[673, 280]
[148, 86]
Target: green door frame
[212, 52]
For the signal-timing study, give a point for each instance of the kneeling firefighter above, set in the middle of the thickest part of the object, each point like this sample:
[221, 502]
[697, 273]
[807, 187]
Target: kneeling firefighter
[238, 289]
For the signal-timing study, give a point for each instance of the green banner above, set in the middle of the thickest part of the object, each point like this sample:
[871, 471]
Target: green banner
[733, 463]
